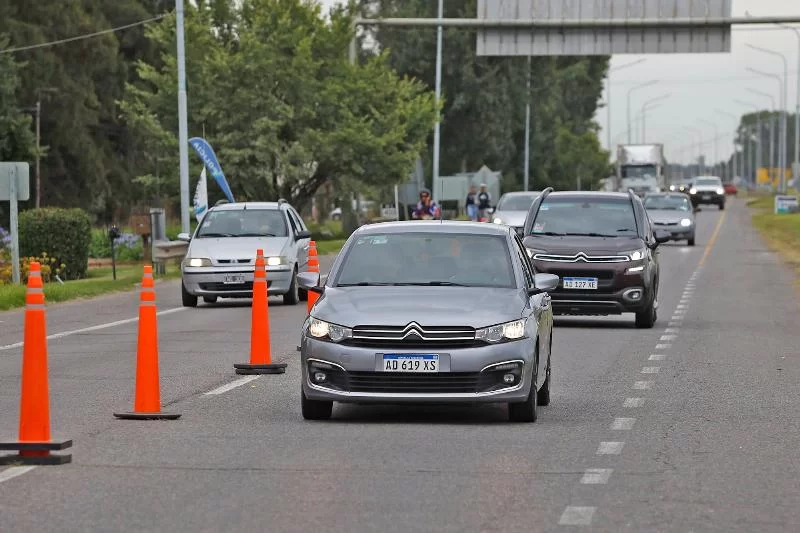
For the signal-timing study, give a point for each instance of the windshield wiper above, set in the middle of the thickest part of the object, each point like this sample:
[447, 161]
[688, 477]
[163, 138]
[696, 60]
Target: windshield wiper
[592, 234]
[216, 235]
[431, 284]
[549, 233]
[256, 235]
[366, 284]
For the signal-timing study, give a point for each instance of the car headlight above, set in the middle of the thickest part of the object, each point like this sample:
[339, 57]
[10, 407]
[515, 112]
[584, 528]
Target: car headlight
[692, 191]
[508, 331]
[636, 255]
[277, 261]
[672, 187]
[685, 222]
[720, 190]
[197, 262]
[497, 220]
[319, 329]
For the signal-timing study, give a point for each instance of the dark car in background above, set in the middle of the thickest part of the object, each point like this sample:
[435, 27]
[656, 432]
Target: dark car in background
[603, 247]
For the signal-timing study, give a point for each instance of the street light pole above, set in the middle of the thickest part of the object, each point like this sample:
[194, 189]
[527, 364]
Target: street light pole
[781, 144]
[771, 123]
[183, 128]
[701, 169]
[796, 165]
[648, 105]
[38, 144]
[640, 86]
[716, 135]
[755, 161]
[608, 95]
[438, 96]
[735, 149]
[526, 172]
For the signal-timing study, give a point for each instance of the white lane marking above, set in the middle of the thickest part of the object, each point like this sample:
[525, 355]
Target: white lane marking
[666, 346]
[671, 330]
[623, 424]
[596, 476]
[668, 337]
[656, 357]
[676, 322]
[95, 328]
[642, 385]
[682, 306]
[610, 448]
[232, 385]
[577, 516]
[633, 402]
[651, 370]
[678, 317]
[14, 471]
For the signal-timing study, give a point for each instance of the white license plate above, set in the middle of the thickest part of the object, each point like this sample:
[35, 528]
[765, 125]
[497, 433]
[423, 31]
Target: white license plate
[580, 283]
[706, 197]
[410, 363]
[233, 279]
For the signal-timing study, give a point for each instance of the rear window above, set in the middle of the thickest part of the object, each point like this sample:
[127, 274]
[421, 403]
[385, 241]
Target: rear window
[421, 258]
[606, 217]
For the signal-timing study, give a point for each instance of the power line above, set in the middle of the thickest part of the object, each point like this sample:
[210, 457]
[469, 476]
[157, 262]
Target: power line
[80, 37]
[690, 81]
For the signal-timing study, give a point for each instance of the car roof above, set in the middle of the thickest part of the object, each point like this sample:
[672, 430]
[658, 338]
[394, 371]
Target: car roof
[443, 226]
[522, 193]
[239, 206]
[589, 194]
[668, 193]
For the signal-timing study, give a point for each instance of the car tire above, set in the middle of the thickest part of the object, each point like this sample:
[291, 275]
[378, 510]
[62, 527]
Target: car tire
[315, 409]
[647, 318]
[210, 299]
[292, 296]
[526, 411]
[303, 295]
[188, 300]
[543, 396]
[722, 206]
[690, 242]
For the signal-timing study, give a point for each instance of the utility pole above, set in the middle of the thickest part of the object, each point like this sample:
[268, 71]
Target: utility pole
[183, 133]
[438, 89]
[38, 144]
[526, 172]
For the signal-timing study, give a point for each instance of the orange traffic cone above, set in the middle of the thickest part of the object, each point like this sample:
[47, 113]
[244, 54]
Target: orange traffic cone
[34, 443]
[147, 403]
[260, 359]
[313, 266]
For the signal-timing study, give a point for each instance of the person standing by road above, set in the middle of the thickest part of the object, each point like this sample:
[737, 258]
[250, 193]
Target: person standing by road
[484, 202]
[472, 203]
[426, 208]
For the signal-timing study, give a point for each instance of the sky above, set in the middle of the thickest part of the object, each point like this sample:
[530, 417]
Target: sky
[702, 88]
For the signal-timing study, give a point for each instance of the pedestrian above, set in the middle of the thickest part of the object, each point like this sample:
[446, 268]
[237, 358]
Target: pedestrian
[472, 204]
[484, 203]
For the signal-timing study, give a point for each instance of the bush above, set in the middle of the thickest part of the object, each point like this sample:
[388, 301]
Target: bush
[128, 246]
[64, 234]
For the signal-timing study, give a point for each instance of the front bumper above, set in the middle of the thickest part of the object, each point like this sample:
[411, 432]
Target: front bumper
[212, 282]
[677, 231]
[355, 374]
[708, 198]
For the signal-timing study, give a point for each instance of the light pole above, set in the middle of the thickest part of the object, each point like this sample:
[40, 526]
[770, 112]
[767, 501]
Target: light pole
[527, 167]
[796, 165]
[784, 96]
[716, 135]
[771, 126]
[642, 114]
[781, 146]
[757, 160]
[37, 112]
[737, 120]
[608, 94]
[649, 105]
[701, 169]
[183, 128]
[438, 96]
[634, 88]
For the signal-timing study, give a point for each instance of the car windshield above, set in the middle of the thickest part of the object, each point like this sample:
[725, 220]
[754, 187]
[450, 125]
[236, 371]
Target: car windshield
[418, 258]
[674, 203]
[708, 181]
[515, 203]
[588, 216]
[243, 223]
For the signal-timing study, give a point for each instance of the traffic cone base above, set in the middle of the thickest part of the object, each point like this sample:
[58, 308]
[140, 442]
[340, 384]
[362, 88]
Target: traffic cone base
[248, 369]
[35, 453]
[147, 416]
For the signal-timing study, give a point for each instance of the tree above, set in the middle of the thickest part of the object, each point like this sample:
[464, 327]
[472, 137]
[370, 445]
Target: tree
[17, 141]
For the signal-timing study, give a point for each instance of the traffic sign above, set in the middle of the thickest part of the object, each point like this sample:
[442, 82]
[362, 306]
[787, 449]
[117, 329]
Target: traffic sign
[20, 172]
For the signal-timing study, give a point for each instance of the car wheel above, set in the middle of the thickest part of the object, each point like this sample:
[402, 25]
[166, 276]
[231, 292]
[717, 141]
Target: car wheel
[543, 396]
[292, 297]
[187, 299]
[315, 409]
[690, 242]
[525, 411]
[722, 206]
[210, 299]
[647, 318]
[303, 295]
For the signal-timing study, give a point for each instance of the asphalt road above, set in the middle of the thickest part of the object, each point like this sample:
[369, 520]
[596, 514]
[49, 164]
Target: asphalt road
[692, 426]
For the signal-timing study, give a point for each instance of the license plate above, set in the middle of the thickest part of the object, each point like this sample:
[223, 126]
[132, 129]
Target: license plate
[233, 279]
[580, 283]
[706, 197]
[410, 363]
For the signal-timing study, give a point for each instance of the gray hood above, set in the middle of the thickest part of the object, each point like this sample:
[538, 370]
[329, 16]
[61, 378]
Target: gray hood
[511, 218]
[236, 247]
[428, 306]
[668, 215]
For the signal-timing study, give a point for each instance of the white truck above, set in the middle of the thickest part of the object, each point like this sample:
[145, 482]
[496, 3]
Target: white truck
[640, 167]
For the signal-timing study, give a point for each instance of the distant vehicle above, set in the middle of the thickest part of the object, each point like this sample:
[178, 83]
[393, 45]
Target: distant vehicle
[672, 212]
[222, 251]
[375, 337]
[603, 248]
[730, 188]
[682, 186]
[640, 167]
[708, 190]
[512, 209]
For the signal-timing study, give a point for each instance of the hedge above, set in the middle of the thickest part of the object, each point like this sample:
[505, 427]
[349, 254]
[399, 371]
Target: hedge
[64, 234]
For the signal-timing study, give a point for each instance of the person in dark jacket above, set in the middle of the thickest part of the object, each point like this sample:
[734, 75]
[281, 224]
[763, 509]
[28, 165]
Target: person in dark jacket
[484, 202]
[472, 203]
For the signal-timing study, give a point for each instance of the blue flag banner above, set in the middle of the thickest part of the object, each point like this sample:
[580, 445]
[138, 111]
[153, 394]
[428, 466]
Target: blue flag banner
[206, 153]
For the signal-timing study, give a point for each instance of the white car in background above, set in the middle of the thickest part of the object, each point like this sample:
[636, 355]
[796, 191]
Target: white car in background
[222, 251]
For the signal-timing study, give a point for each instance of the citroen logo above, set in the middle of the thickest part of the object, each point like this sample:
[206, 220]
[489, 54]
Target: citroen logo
[412, 329]
[581, 257]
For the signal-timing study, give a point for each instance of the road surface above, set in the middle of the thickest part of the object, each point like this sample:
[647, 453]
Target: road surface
[692, 426]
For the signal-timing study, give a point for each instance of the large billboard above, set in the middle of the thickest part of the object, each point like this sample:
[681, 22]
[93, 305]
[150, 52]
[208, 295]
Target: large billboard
[570, 41]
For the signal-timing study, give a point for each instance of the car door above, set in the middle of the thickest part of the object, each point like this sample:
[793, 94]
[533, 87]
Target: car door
[301, 246]
[540, 308]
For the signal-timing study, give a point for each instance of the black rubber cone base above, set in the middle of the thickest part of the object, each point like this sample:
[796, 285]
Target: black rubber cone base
[49, 459]
[245, 368]
[147, 416]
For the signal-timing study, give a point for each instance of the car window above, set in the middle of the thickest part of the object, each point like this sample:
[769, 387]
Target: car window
[515, 203]
[708, 181]
[243, 223]
[527, 268]
[298, 220]
[671, 203]
[427, 258]
[292, 221]
[599, 216]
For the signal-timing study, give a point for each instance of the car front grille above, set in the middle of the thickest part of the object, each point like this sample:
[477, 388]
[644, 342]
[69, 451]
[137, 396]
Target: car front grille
[234, 261]
[581, 257]
[408, 383]
[247, 286]
[666, 223]
[413, 336]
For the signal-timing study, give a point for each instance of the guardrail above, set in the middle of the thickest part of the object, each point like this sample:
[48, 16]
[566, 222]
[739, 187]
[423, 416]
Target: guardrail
[163, 251]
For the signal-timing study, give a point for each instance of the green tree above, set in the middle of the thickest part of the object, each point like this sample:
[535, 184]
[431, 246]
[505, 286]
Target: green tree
[17, 141]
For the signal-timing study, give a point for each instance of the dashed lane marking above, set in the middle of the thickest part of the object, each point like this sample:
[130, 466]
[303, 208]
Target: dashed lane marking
[668, 337]
[666, 346]
[577, 516]
[14, 471]
[610, 448]
[656, 357]
[651, 370]
[623, 424]
[232, 385]
[632, 403]
[596, 476]
[643, 385]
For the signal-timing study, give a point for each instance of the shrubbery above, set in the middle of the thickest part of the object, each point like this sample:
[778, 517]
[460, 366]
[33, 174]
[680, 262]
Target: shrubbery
[62, 234]
[128, 246]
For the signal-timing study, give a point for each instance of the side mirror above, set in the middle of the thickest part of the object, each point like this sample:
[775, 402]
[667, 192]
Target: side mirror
[185, 237]
[310, 281]
[662, 236]
[302, 235]
[544, 283]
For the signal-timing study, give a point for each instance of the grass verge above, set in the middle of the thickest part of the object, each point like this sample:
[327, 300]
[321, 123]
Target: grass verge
[330, 247]
[781, 232]
[98, 282]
